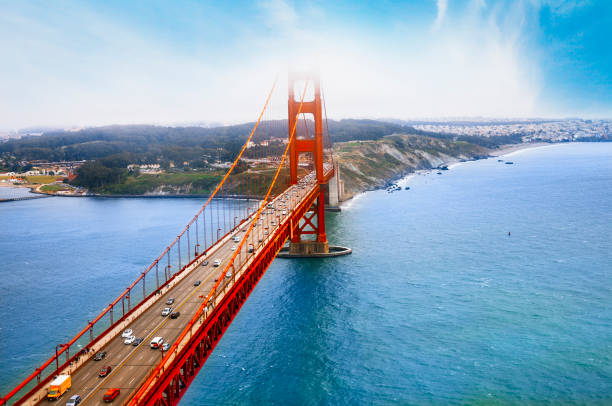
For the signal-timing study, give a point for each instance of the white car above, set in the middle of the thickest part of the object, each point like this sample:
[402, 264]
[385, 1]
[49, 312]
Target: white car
[127, 333]
[166, 311]
[217, 262]
[157, 342]
[284, 212]
[236, 238]
[74, 400]
[228, 274]
[129, 340]
[233, 248]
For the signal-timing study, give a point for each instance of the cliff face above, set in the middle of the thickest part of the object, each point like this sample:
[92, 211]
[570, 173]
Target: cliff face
[368, 165]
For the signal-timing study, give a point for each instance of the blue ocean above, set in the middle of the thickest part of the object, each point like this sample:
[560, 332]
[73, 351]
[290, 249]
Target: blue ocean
[488, 284]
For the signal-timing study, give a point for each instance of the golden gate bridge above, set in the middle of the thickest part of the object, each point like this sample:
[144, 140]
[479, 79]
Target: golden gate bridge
[273, 192]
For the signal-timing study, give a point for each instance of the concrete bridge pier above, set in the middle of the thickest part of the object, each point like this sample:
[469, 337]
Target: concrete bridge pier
[312, 249]
[335, 191]
[308, 248]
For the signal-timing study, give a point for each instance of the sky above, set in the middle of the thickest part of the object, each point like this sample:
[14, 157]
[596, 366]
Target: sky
[89, 63]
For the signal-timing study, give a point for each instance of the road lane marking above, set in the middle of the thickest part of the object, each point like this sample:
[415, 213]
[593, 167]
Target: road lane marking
[134, 351]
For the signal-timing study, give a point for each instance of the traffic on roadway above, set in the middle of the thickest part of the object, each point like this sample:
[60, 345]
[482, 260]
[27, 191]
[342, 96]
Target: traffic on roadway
[117, 369]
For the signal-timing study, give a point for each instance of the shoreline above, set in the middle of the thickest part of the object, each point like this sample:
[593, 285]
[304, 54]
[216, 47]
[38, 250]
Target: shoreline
[512, 148]
[503, 151]
[508, 150]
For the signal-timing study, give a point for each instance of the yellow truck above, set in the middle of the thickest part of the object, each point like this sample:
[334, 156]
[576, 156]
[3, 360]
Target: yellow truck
[58, 386]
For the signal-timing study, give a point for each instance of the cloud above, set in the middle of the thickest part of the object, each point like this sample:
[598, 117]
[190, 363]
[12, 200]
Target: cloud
[279, 13]
[563, 7]
[442, 6]
[80, 66]
[480, 67]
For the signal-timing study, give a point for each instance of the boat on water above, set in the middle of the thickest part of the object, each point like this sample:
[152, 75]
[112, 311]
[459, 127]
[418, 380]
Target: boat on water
[500, 160]
[509, 163]
[394, 187]
[407, 188]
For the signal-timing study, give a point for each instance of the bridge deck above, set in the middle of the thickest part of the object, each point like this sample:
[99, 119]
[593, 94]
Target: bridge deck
[131, 365]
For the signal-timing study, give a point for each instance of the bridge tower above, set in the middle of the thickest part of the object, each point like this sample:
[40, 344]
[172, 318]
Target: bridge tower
[314, 146]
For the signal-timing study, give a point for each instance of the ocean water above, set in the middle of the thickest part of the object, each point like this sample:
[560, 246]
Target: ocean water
[9, 192]
[436, 305]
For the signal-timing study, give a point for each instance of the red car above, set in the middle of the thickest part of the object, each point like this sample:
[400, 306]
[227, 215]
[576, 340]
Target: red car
[104, 371]
[111, 394]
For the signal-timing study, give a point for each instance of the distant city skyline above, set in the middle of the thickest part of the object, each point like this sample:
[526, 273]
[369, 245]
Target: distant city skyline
[89, 64]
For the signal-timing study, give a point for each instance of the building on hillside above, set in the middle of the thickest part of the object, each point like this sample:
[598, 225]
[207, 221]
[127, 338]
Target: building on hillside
[151, 169]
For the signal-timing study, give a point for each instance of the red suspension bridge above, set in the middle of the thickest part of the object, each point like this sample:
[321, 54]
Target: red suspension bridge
[274, 191]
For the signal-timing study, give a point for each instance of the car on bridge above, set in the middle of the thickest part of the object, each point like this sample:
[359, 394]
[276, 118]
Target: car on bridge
[233, 248]
[217, 262]
[236, 238]
[156, 342]
[165, 347]
[137, 341]
[175, 315]
[204, 263]
[129, 340]
[74, 400]
[111, 394]
[170, 301]
[99, 356]
[104, 371]
[127, 333]
[197, 283]
[166, 311]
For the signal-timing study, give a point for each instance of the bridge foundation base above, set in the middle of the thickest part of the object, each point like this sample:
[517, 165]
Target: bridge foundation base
[308, 247]
[312, 249]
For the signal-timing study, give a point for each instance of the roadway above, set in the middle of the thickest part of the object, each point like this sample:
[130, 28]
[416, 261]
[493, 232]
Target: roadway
[130, 365]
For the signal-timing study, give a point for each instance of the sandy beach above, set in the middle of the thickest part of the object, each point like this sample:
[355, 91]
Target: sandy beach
[509, 149]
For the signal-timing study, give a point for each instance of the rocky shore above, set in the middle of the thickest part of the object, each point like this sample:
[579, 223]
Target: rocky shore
[370, 165]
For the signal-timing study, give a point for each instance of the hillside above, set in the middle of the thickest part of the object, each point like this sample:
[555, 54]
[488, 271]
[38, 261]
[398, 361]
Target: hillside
[163, 145]
[370, 153]
[368, 165]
